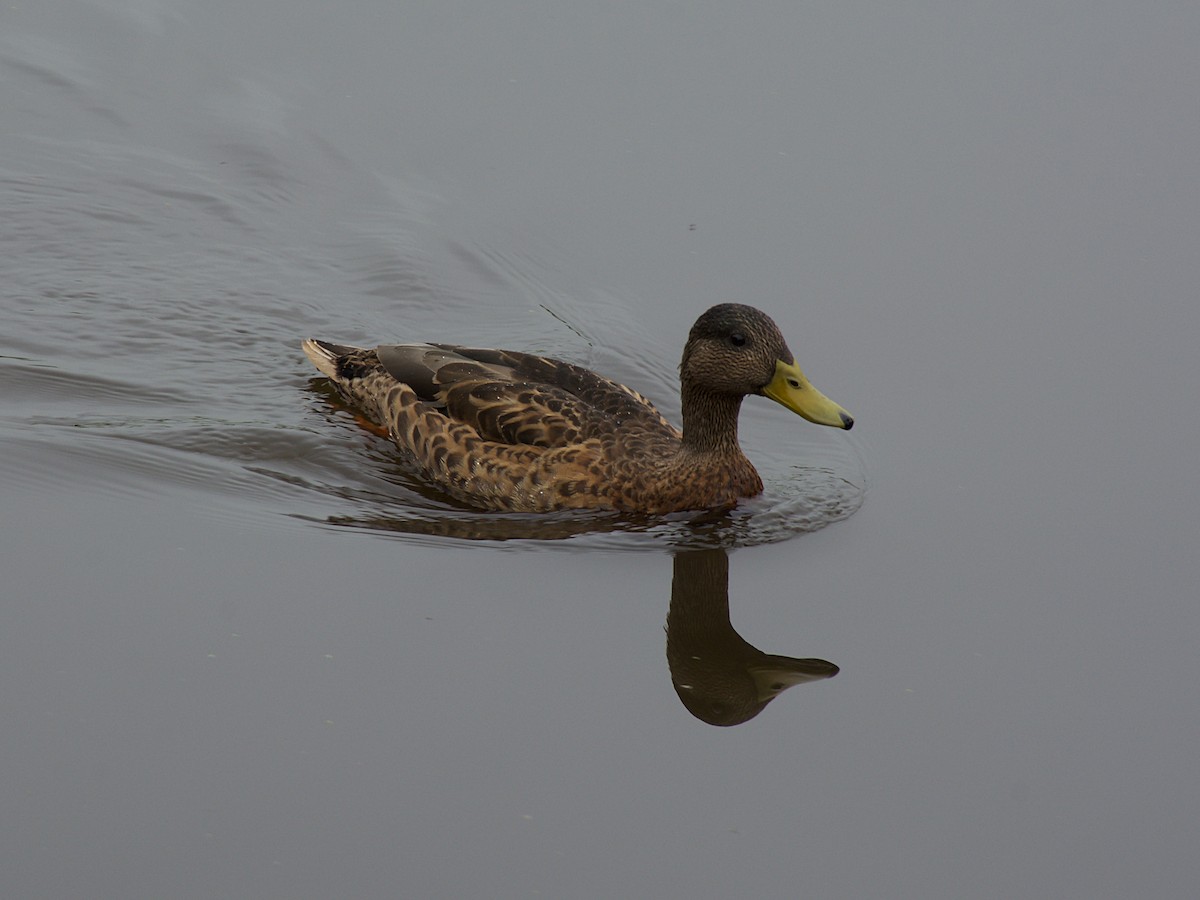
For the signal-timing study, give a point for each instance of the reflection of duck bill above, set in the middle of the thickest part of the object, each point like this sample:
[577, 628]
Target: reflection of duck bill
[791, 389]
[778, 673]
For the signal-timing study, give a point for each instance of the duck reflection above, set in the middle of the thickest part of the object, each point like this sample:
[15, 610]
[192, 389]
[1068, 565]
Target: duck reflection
[722, 679]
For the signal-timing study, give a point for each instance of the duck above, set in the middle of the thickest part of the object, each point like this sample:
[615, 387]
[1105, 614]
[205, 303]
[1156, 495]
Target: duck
[509, 431]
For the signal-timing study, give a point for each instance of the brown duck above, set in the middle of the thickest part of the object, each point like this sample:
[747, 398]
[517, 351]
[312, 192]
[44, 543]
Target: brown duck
[511, 431]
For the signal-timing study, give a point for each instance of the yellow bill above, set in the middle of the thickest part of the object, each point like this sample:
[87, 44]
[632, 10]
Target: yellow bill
[790, 388]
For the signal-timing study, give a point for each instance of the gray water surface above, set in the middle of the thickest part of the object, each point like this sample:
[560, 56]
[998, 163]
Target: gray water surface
[244, 652]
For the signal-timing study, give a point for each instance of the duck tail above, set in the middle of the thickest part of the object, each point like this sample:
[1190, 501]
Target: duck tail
[325, 356]
[356, 373]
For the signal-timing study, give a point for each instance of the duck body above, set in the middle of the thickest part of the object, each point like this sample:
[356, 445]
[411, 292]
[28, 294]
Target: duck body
[504, 430]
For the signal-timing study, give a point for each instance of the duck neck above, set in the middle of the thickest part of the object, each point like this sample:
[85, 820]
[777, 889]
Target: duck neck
[710, 421]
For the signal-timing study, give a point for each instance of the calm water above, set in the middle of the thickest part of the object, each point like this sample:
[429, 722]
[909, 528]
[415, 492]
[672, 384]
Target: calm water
[243, 653]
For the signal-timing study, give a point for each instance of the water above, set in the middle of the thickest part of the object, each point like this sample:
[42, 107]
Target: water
[245, 653]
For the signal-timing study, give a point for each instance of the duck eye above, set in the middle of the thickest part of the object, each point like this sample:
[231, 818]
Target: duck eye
[737, 339]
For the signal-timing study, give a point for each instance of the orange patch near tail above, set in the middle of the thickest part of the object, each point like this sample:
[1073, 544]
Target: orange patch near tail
[367, 425]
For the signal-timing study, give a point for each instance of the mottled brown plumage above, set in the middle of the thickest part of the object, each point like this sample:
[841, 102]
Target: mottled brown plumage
[511, 431]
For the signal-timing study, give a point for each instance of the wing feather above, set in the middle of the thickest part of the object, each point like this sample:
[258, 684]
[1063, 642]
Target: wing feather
[519, 398]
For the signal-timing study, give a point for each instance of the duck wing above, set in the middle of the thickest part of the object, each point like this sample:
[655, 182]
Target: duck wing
[519, 398]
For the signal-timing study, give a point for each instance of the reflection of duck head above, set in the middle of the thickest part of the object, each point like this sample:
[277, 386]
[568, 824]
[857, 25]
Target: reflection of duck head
[721, 679]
